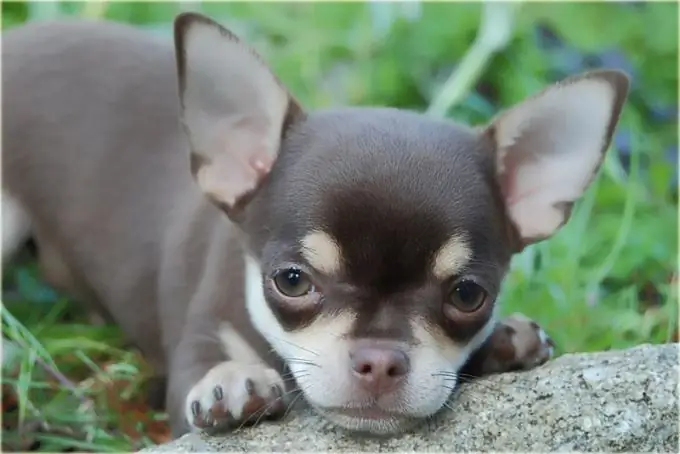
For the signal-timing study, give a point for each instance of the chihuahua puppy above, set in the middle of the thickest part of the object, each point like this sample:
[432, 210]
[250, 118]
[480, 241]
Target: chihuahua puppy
[238, 238]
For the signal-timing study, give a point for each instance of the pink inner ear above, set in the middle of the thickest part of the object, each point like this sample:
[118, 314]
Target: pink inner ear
[510, 187]
[527, 193]
[261, 163]
[240, 168]
[549, 149]
[508, 178]
[536, 189]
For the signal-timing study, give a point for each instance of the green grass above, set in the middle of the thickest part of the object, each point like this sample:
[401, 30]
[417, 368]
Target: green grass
[607, 280]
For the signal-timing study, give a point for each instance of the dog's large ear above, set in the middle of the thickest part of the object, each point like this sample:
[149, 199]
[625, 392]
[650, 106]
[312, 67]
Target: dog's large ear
[550, 147]
[234, 110]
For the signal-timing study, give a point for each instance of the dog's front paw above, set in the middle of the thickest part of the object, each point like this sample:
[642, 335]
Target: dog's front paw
[233, 394]
[518, 343]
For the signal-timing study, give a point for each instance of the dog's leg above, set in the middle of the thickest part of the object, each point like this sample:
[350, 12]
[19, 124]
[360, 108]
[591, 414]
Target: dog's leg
[218, 382]
[517, 343]
[16, 227]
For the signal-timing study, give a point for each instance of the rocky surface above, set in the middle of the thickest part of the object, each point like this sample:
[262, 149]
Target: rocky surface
[611, 401]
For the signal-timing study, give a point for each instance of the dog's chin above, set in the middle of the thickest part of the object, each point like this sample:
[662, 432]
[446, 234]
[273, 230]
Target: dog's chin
[370, 421]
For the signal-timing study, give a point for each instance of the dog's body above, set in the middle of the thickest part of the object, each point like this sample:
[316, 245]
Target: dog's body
[78, 191]
[371, 211]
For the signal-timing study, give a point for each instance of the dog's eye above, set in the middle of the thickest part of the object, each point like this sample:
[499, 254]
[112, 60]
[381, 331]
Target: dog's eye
[467, 296]
[293, 283]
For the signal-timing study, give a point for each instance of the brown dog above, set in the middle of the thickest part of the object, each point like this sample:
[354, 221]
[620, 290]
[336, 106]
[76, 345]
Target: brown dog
[360, 249]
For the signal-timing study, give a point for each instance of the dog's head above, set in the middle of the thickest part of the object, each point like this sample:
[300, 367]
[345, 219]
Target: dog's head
[379, 238]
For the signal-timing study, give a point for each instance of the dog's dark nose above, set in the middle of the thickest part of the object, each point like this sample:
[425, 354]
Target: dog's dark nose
[379, 369]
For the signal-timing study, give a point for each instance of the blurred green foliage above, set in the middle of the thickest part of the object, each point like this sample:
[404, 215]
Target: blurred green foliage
[607, 280]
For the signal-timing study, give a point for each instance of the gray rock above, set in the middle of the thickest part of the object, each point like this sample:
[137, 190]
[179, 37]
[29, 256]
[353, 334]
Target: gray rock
[610, 401]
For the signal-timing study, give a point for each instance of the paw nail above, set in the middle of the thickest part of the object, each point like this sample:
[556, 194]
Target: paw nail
[276, 390]
[218, 394]
[250, 387]
[195, 408]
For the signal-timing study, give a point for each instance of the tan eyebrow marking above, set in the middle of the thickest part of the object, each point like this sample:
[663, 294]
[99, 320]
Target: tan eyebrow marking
[453, 255]
[322, 252]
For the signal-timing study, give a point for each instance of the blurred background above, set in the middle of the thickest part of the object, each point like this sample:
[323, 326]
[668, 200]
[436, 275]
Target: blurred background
[608, 280]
